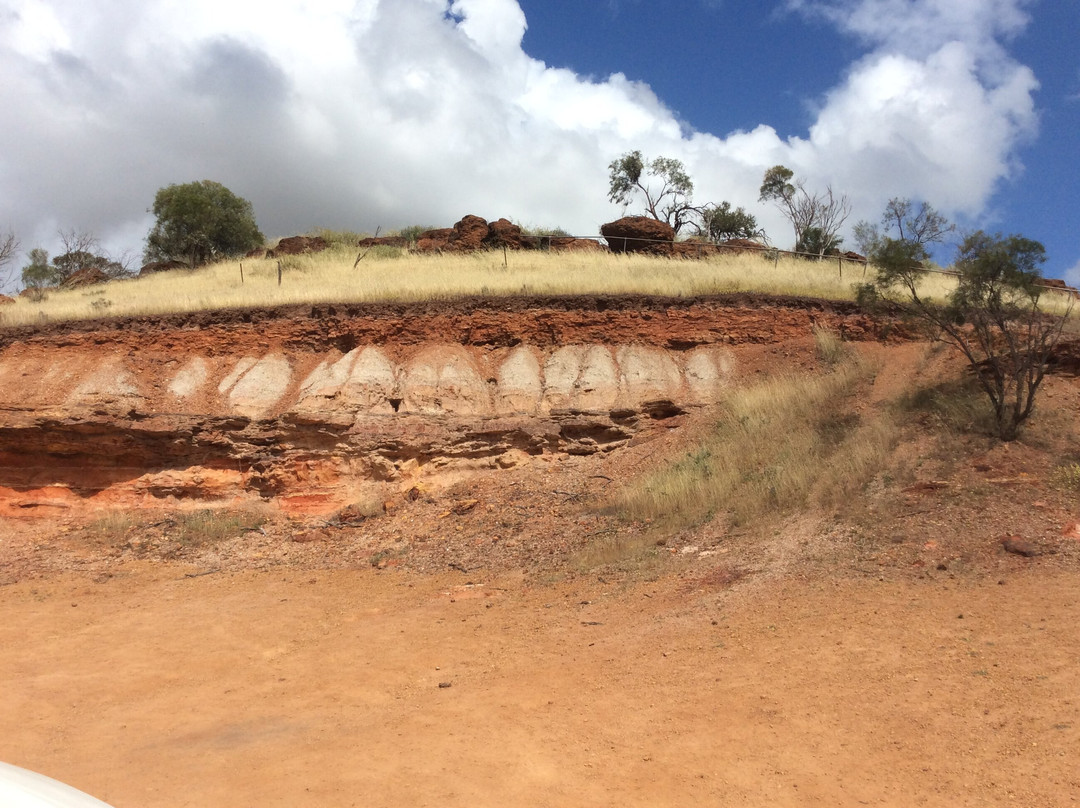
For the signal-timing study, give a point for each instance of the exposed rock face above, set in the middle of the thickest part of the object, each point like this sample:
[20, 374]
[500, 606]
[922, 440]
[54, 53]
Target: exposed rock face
[504, 233]
[297, 245]
[87, 276]
[6, 299]
[434, 240]
[570, 244]
[469, 235]
[312, 408]
[639, 234]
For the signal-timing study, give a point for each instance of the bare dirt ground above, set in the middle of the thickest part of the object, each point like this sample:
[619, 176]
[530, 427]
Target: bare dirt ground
[355, 687]
[501, 639]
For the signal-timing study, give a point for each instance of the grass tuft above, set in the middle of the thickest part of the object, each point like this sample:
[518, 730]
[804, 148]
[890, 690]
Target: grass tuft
[788, 443]
[829, 345]
[207, 527]
[1066, 477]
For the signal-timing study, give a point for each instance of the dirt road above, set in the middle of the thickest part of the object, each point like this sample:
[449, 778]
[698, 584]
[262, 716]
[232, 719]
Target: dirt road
[369, 688]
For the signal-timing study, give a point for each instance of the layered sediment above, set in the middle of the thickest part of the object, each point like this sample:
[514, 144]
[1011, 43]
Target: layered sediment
[307, 408]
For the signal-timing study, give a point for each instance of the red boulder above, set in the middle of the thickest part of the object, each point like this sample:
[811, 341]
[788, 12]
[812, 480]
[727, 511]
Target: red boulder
[639, 234]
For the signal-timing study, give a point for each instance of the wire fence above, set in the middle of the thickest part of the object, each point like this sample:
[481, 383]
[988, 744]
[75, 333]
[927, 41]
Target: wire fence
[701, 249]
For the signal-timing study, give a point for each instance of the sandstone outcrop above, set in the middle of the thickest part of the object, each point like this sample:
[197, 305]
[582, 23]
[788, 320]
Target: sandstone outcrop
[297, 245]
[639, 234]
[310, 407]
[473, 233]
[88, 276]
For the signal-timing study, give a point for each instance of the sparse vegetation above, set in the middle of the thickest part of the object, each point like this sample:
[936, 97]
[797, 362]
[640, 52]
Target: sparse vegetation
[816, 218]
[955, 406]
[785, 444]
[994, 315]
[393, 275]
[1067, 477]
[829, 345]
[208, 527]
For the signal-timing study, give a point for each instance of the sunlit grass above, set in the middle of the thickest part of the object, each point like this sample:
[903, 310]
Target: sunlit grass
[391, 275]
[788, 443]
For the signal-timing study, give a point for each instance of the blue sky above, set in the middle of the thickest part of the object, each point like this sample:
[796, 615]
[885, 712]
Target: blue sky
[364, 113]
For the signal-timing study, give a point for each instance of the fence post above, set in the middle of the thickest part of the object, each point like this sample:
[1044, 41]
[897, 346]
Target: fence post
[840, 264]
[241, 273]
[279, 273]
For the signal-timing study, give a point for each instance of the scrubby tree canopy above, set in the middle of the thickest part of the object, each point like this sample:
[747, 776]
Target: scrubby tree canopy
[39, 272]
[903, 220]
[723, 222]
[993, 316]
[815, 217]
[200, 222]
[666, 196]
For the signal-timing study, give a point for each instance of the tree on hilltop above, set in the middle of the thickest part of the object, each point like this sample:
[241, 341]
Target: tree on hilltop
[905, 221]
[722, 222]
[667, 195]
[200, 222]
[816, 218]
[994, 316]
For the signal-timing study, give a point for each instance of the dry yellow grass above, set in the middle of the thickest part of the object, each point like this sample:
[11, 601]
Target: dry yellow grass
[396, 276]
[790, 442]
[389, 275]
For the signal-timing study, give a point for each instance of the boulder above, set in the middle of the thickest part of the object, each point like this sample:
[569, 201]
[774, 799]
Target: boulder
[383, 241]
[1017, 546]
[570, 244]
[87, 276]
[469, 234]
[639, 234]
[504, 233]
[434, 240]
[696, 249]
[161, 266]
[296, 245]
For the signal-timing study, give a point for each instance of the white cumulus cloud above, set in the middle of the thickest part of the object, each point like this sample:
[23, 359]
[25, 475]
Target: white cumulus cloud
[344, 113]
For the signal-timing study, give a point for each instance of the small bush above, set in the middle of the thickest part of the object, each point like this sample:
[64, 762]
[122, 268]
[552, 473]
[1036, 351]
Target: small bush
[112, 526]
[207, 527]
[830, 346]
[957, 406]
[1066, 477]
[412, 232]
[338, 238]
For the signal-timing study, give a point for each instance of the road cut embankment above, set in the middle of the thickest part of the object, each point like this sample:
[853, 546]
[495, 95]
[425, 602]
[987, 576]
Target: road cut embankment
[311, 409]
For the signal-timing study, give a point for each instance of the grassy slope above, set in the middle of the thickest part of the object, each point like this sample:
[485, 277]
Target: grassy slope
[396, 276]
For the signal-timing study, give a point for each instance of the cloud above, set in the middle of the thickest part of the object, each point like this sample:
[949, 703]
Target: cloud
[392, 112]
[1072, 276]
